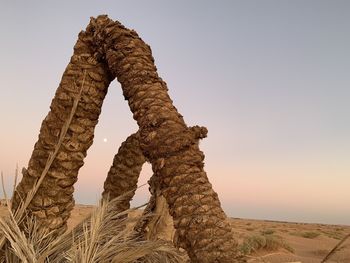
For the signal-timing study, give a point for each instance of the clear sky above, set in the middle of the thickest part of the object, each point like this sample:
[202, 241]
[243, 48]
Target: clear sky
[269, 79]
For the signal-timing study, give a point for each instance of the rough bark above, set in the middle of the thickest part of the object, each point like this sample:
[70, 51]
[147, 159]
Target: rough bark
[172, 148]
[54, 200]
[156, 222]
[107, 50]
[122, 179]
[123, 175]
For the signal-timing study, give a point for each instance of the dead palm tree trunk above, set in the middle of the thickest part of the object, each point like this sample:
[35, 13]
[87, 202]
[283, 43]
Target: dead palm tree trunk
[156, 222]
[172, 148]
[54, 199]
[104, 51]
[124, 173]
[122, 179]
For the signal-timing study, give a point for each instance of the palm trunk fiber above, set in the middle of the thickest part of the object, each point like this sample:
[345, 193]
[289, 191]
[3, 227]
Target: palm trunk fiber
[104, 51]
[124, 173]
[54, 199]
[156, 222]
[122, 180]
[202, 227]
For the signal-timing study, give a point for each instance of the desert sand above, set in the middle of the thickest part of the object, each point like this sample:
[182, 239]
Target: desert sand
[309, 242]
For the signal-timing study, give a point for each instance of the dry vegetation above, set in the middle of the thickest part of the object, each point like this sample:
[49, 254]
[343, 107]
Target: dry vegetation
[264, 242]
[276, 242]
[105, 235]
[260, 241]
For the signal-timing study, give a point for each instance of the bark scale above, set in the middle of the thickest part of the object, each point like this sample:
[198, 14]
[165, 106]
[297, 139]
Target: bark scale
[124, 173]
[122, 179]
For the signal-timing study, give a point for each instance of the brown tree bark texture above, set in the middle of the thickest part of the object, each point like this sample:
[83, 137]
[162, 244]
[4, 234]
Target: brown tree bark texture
[107, 49]
[156, 222]
[168, 143]
[122, 180]
[124, 173]
[54, 200]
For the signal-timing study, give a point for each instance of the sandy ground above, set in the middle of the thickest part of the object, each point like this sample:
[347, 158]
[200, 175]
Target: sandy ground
[310, 242]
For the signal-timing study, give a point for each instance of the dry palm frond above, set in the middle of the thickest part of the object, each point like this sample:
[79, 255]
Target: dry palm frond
[24, 245]
[104, 223]
[156, 251]
[20, 246]
[15, 181]
[23, 206]
[104, 236]
[336, 248]
[20, 212]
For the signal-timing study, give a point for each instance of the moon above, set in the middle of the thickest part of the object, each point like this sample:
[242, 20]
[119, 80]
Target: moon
[104, 139]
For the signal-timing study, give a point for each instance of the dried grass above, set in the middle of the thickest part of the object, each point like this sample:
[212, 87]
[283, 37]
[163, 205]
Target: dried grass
[307, 234]
[338, 247]
[268, 242]
[104, 236]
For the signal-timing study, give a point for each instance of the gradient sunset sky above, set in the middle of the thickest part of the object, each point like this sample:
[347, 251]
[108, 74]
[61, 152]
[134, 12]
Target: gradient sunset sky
[269, 79]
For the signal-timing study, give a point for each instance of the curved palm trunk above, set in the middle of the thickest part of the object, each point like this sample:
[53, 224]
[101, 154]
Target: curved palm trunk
[122, 179]
[123, 175]
[172, 148]
[104, 51]
[54, 199]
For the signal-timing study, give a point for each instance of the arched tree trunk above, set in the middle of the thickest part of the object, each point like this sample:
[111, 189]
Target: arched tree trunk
[104, 51]
[172, 148]
[122, 178]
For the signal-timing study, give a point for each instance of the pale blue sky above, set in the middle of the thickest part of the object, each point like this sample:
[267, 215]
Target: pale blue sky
[270, 80]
